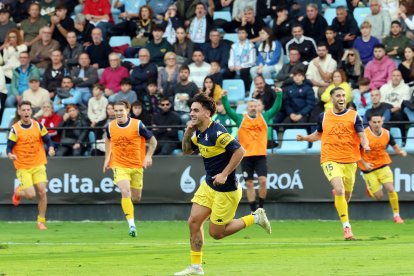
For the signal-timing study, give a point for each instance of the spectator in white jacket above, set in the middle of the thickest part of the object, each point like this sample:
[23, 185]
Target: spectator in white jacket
[12, 47]
[394, 92]
[97, 108]
[199, 69]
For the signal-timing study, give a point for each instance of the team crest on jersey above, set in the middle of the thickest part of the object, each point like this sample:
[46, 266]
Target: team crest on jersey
[219, 133]
[339, 130]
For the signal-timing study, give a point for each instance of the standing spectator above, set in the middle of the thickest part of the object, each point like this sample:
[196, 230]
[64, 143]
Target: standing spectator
[199, 68]
[365, 43]
[352, 65]
[216, 50]
[160, 7]
[5, 24]
[30, 27]
[242, 58]
[394, 92]
[112, 75]
[170, 23]
[99, 50]
[20, 79]
[41, 49]
[84, 77]
[306, 45]
[407, 66]
[36, 95]
[66, 95]
[167, 137]
[50, 120]
[265, 10]
[184, 91]
[183, 47]
[379, 70]
[145, 72]
[72, 50]
[211, 89]
[269, 52]
[345, 26]
[282, 24]
[158, 46]
[72, 139]
[361, 97]
[338, 80]
[168, 75]
[378, 107]
[396, 42]
[285, 75]
[380, 20]
[186, 10]
[61, 25]
[313, 23]
[125, 93]
[83, 30]
[12, 48]
[97, 108]
[201, 24]
[54, 73]
[98, 13]
[264, 92]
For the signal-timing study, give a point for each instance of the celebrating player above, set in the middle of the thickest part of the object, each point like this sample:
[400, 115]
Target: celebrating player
[125, 154]
[341, 133]
[25, 147]
[374, 165]
[219, 195]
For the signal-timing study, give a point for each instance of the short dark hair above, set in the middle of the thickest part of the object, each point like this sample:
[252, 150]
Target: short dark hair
[100, 86]
[126, 81]
[242, 28]
[363, 81]
[164, 99]
[24, 103]
[322, 44]
[184, 67]
[295, 25]
[68, 77]
[206, 102]
[125, 103]
[335, 89]
[379, 46]
[330, 28]
[136, 103]
[374, 114]
[299, 72]
[158, 28]
[294, 48]
[396, 22]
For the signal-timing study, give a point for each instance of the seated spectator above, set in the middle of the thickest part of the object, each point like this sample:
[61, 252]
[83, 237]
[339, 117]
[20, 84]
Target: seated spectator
[285, 75]
[265, 10]
[125, 93]
[36, 95]
[249, 21]
[99, 50]
[264, 92]
[97, 108]
[137, 112]
[201, 24]
[239, 7]
[223, 118]
[394, 92]
[20, 79]
[306, 45]
[396, 42]
[199, 68]
[215, 73]
[282, 24]
[72, 50]
[151, 100]
[168, 75]
[184, 91]
[379, 70]
[41, 49]
[335, 47]
[211, 89]
[48, 8]
[6, 25]
[145, 72]
[242, 58]
[216, 50]
[50, 120]
[406, 15]
[66, 95]
[130, 9]
[83, 30]
[269, 52]
[298, 101]
[160, 7]
[84, 77]
[158, 46]
[407, 66]
[61, 25]
[365, 43]
[345, 26]
[30, 27]
[72, 142]
[98, 13]
[170, 23]
[186, 10]
[352, 65]
[338, 80]
[313, 23]
[20, 11]
[52, 78]
[361, 97]
[320, 69]
[11, 48]
[378, 107]
[167, 137]
[183, 47]
[380, 20]
[112, 75]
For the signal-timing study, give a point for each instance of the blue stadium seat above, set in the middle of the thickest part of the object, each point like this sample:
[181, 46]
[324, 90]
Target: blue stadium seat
[119, 40]
[409, 143]
[180, 137]
[231, 37]
[134, 61]
[360, 14]
[289, 143]
[396, 133]
[315, 148]
[338, 3]
[268, 81]
[3, 143]
[241, 108]
[8, 115]
[329, 15]
[235, 89]
[225, 15]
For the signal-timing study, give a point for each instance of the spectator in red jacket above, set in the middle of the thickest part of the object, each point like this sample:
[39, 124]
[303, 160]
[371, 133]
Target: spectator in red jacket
[50, 120]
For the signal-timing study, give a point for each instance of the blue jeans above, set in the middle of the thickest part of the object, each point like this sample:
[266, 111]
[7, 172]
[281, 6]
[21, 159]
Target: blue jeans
[11, 101]
[409, 113]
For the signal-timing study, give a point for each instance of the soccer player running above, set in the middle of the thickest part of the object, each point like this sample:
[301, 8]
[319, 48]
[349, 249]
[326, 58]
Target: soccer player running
[375, 164]
[126, 154]
[253, 136]
[219, 195]
[25, 146]
[341, 133]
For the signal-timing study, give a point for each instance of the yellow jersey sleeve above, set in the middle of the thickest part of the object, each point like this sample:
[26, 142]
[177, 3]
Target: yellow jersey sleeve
[223, 140]
[43, 130]
[12, 135]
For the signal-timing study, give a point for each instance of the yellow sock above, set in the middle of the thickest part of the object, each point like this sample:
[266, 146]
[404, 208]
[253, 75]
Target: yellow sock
[196, 257]
[41, 220]
[128, 208]
[248, 220]
[342, 207]
[393, 197]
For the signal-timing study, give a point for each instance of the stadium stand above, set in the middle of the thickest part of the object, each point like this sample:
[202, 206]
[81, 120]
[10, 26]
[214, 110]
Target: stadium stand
[236, 90]
[289, 143]
[396, 133]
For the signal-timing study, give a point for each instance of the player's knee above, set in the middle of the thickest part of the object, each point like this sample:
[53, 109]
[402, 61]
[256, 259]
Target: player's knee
[339, 191]
[378, 196]
[249, 184]
[29, 195]
[136, 199]
[42, 194]
[217, 235]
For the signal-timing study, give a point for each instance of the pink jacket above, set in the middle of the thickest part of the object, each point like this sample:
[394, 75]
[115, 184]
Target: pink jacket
[112, 78]
[379, 72]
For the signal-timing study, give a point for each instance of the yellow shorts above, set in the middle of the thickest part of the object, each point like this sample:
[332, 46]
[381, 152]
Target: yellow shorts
[30, 177]
[375, 179]
[135, 176]
[345, 171]
[223, 205]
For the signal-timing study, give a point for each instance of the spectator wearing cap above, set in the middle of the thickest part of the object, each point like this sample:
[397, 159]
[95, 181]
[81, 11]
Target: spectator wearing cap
[54, 73]
[5, 24]
[159, 46]
[20, 79]
[66, 95]
[12, 47]
[36, 95]
[112, 75]
[99, 50]
[72, 50]
[125, 93]
[61, 24]
[30, 27]
[145, 72]
[41, 49]
[84, 77]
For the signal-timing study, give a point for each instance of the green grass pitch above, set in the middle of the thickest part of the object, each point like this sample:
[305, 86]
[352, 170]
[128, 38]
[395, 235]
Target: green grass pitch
[161, 248]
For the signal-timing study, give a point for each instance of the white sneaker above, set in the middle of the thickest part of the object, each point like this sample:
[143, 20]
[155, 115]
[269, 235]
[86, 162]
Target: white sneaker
[263, 221]
[190, 270]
